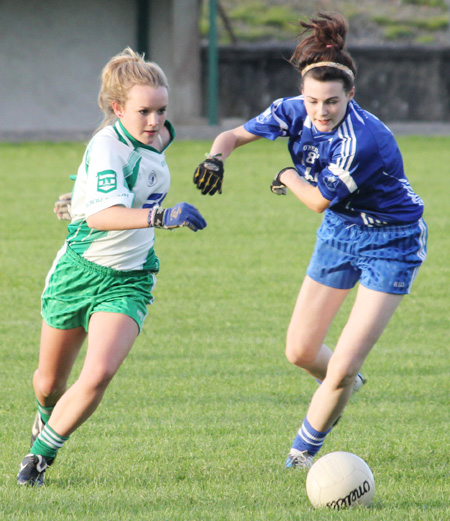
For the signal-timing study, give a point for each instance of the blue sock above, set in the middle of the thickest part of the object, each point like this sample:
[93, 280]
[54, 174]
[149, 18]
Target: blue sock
[309, 439]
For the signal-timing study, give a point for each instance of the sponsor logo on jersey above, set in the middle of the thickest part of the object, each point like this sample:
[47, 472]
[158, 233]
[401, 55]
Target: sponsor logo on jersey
[151, 180]
[106, 181]
[331, 182]
[265, 116]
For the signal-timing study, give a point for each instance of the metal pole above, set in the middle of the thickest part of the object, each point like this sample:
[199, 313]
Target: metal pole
[448, 5]
[143, 27]
[212, 64]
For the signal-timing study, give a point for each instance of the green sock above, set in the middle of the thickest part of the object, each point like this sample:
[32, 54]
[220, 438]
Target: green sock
[48, 443]
[45, 412]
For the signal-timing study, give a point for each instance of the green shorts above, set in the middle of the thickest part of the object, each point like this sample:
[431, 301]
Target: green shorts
[75, 288]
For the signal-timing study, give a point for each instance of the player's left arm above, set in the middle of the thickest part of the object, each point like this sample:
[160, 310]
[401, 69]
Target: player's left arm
[308, 194]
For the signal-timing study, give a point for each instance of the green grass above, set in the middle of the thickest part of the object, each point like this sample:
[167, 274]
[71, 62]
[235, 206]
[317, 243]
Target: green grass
[384, 21]
[198, 421]
[398, 28]
[427, 3]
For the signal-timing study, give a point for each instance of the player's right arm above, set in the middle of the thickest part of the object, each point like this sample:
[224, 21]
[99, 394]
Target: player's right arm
[208, 176]
[121, 218]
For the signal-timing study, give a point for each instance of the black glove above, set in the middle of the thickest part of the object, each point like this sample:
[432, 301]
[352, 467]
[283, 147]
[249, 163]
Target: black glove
[209, 175]
[277, 186]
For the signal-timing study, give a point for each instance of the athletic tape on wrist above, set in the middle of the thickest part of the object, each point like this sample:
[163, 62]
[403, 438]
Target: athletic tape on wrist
[155, 217]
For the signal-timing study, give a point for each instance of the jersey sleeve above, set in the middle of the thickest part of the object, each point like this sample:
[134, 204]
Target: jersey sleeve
[106, 183]
[277, 120]
[352, 162]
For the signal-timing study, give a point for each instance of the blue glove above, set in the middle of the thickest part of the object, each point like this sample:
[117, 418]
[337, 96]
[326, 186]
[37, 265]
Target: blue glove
[182, 214]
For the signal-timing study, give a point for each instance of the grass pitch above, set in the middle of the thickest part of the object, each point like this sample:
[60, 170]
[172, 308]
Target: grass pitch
[198, 421]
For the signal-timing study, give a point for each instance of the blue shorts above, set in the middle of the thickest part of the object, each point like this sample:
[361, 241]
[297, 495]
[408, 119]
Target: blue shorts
[384, 258]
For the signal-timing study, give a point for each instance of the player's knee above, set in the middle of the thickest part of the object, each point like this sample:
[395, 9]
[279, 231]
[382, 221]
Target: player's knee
[49, 386]
[341, 377]
[98, 380]
[300, 354]
[302, 347]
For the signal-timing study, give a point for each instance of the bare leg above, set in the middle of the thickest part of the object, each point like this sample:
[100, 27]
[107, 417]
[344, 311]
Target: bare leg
[314, 311]
[369, 317]
[111, 337]
[58, 352]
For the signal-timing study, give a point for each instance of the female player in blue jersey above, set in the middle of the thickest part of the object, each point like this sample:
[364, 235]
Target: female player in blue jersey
[101, 281]
[347, 165]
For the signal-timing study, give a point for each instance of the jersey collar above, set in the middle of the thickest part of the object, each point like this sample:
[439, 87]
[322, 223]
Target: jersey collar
[317, 134]
[127, 138]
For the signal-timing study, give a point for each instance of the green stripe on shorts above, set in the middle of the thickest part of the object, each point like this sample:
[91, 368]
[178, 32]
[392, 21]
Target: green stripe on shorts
[77, 288]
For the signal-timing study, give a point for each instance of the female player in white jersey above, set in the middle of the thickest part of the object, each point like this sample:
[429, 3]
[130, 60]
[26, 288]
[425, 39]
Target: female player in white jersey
[100, 283]
[346, 164]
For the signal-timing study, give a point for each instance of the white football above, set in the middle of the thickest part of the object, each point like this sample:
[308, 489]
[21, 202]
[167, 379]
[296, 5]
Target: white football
[340, 480]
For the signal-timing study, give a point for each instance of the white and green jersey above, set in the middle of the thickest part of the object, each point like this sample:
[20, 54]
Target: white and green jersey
[117, 170]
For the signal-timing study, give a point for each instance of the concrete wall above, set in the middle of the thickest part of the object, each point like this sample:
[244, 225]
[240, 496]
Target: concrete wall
[52, 54]
[404, 84]
[395, 84]
[175, 45]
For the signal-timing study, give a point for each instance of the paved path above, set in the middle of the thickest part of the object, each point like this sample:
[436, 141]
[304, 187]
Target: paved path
[205, 131]
[201, 130]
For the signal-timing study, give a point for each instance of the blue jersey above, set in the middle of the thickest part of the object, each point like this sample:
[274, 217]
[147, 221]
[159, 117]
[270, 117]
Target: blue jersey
[358, 166]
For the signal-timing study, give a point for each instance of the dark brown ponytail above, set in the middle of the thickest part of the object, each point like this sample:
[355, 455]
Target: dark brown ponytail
[326, 43]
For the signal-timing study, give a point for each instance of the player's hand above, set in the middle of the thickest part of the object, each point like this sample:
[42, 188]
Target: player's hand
[209, 175]
[63, 207]
[182, 214]
[277, 186]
